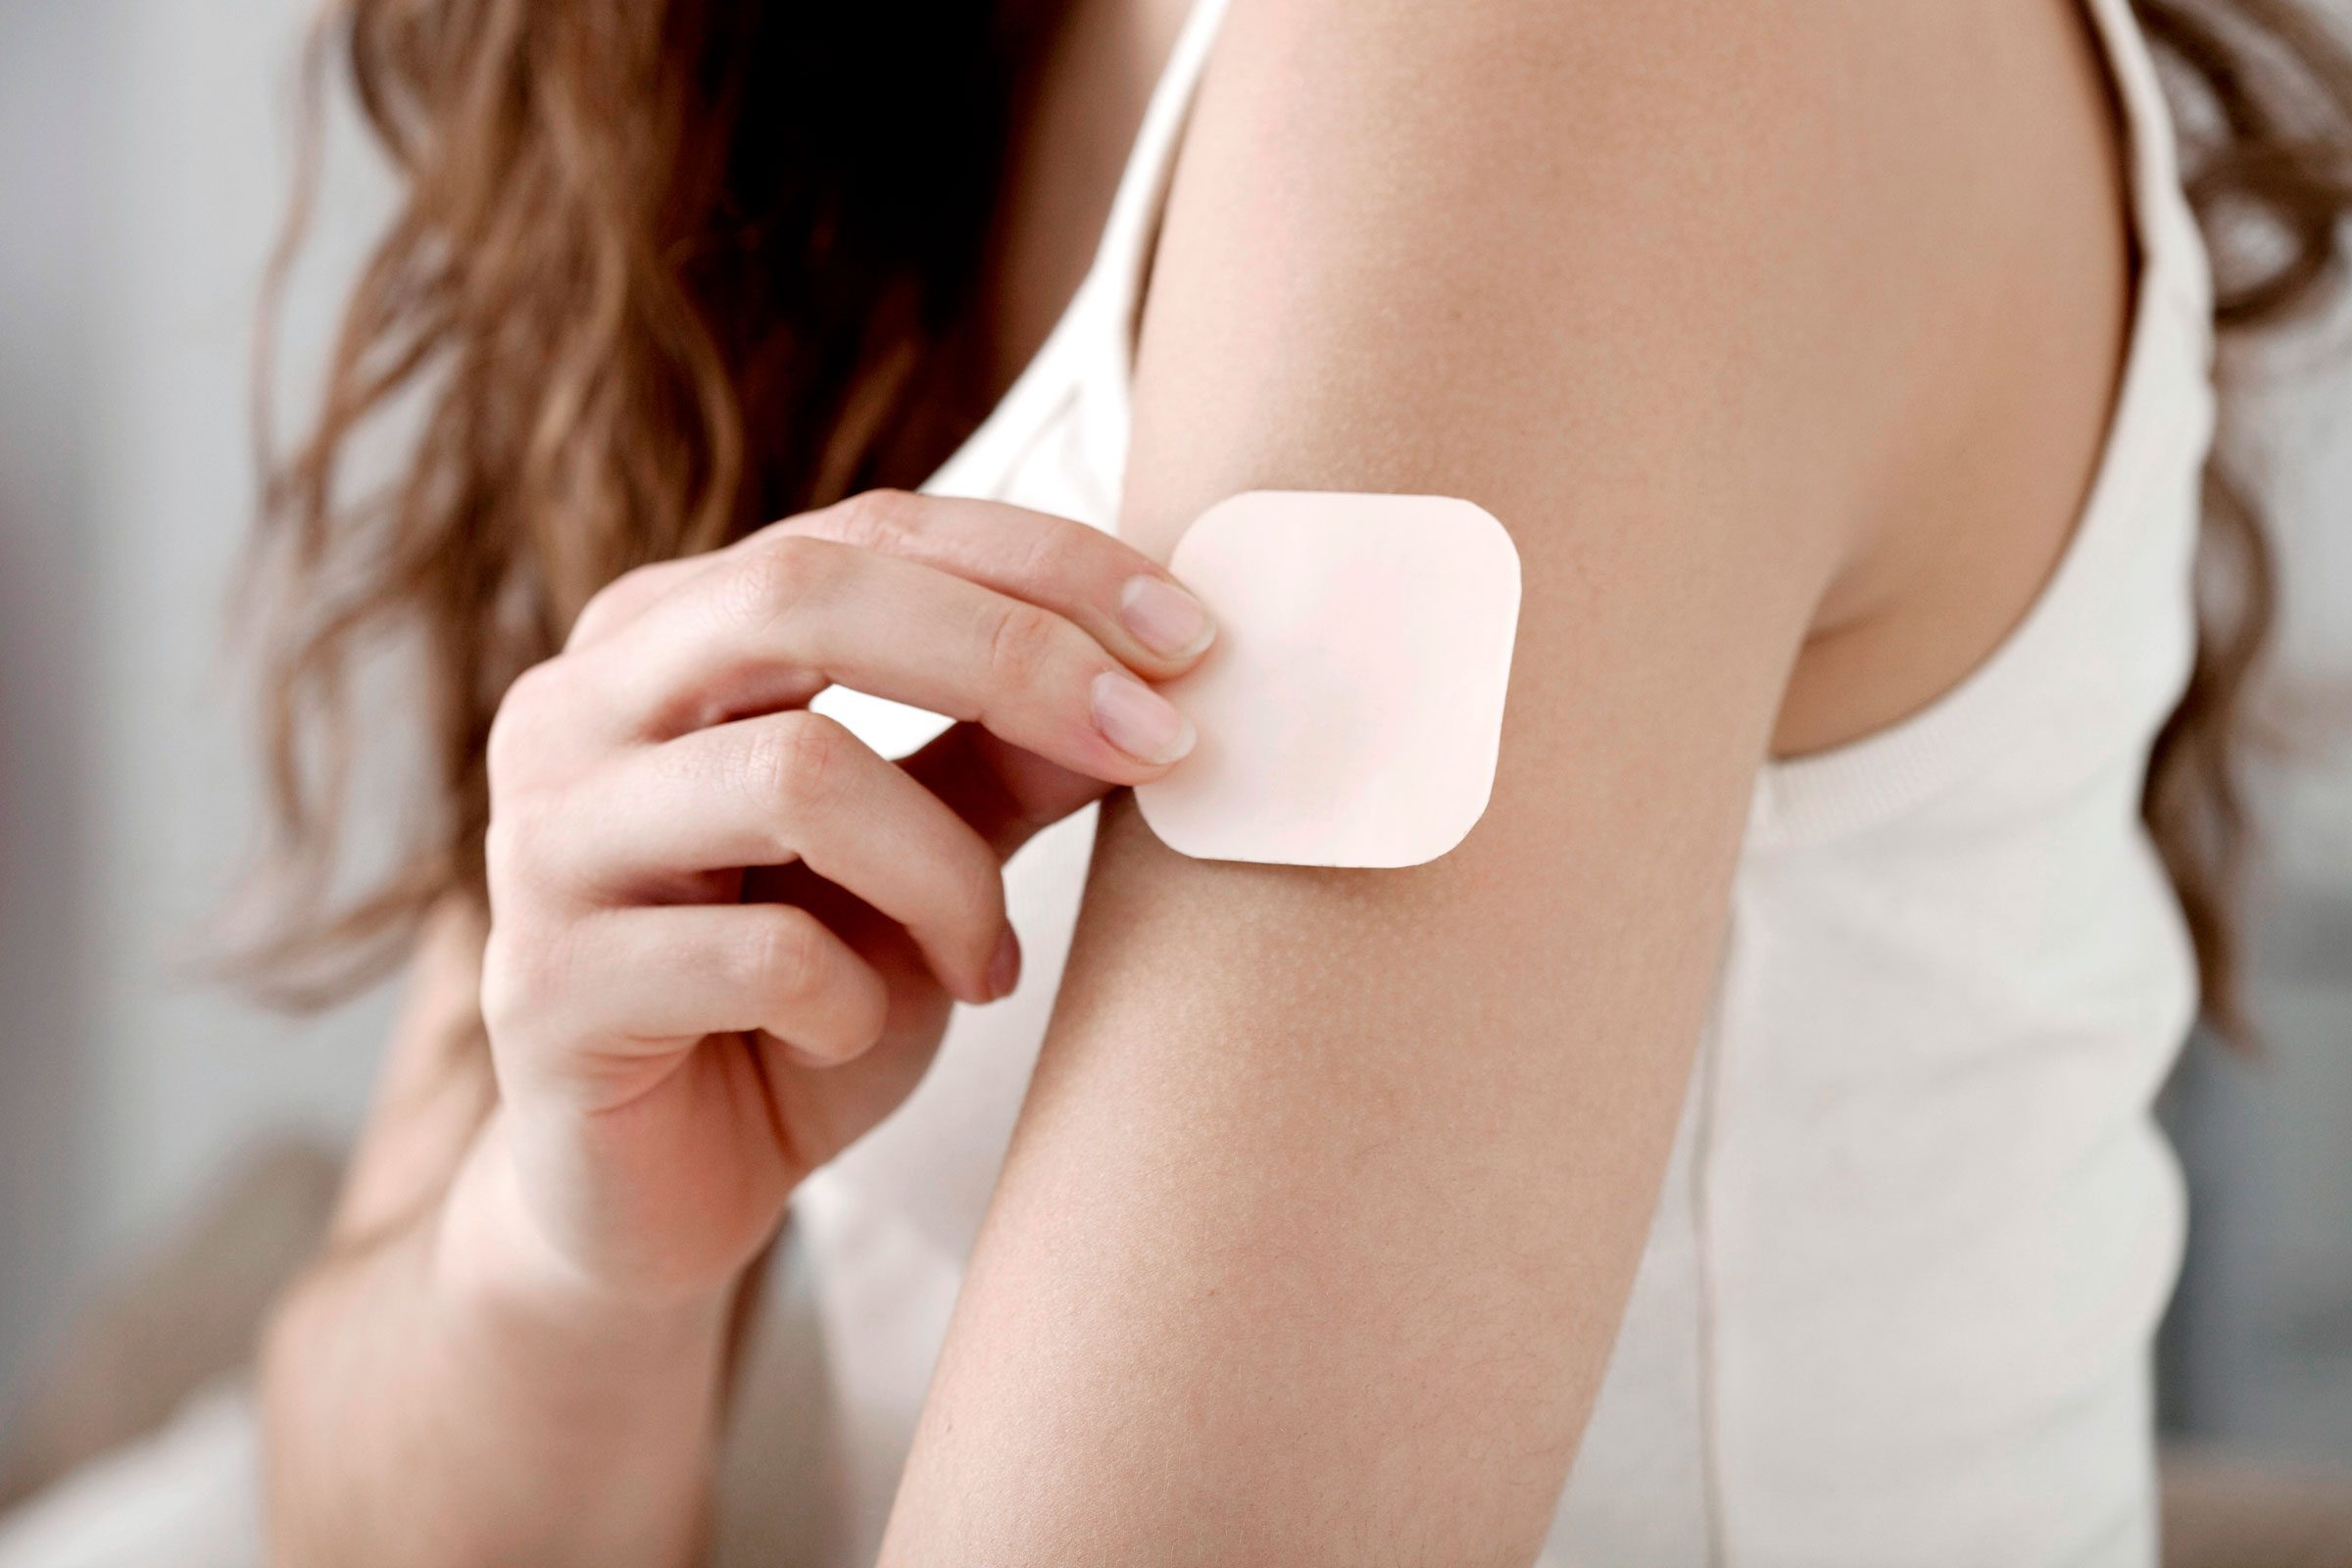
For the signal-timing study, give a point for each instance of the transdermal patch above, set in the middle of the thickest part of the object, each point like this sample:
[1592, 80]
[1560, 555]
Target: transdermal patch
[1351, 710]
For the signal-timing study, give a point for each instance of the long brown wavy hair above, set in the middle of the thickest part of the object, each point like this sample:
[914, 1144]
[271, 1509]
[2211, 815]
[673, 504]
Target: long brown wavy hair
[631, 233]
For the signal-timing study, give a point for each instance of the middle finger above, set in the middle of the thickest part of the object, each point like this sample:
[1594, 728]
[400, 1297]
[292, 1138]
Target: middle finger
[774, 625]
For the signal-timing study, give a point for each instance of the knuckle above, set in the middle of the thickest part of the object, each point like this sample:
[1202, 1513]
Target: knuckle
[1021, 644]
[785, 958]
[604, 605]
[499, 850]
[863, 1030]
[522, 971]
[528, 850]
[878, 519]
[980, 904]
[509, 846]
[781, 573]
[517, 729]
[797, 758]
[1057, 553]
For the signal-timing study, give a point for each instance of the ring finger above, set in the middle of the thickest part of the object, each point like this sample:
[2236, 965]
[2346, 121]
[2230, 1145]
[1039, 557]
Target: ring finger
[782, 787]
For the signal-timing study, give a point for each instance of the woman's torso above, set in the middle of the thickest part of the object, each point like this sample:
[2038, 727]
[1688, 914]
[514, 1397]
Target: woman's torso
[1917, 1226]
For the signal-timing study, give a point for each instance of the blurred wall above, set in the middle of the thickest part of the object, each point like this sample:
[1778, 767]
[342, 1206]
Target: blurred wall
[2258, 1349]
[46, 220]
[144, 154]
[143, 158]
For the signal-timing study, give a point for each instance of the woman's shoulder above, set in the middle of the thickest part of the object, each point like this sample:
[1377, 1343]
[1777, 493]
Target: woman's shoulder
[1887, 242]
[1810, 207]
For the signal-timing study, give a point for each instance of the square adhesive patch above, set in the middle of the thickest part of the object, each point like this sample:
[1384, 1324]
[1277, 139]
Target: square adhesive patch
[1351, 710]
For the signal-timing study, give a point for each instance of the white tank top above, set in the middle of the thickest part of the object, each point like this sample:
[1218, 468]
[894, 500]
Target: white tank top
[1898, 1295]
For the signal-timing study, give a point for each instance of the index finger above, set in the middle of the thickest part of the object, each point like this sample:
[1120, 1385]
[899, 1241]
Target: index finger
[1118, 595]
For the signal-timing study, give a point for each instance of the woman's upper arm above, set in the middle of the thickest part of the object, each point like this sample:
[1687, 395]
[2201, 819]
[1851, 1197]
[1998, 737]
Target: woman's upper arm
[1331, 1184]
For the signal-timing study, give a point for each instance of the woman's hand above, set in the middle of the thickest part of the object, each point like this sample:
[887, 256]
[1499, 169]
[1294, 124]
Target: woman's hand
[724, 939]
[726, 934]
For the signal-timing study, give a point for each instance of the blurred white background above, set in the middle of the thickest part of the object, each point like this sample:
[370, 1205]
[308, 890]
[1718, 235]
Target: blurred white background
[145, 155]
[144, 159]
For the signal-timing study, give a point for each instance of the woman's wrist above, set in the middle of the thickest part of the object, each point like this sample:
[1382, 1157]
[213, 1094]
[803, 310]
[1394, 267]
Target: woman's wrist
[478, 1403]
[598, 1414]
[498, 1278]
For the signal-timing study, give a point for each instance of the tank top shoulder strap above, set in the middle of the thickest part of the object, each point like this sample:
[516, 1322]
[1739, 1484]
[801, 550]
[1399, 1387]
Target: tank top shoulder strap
[1108, 375]
[2100, 655]
[2173, 255]
[1089, 356]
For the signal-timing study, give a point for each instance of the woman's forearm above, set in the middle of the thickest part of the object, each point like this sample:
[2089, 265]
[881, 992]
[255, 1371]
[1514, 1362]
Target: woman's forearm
[427, 1403]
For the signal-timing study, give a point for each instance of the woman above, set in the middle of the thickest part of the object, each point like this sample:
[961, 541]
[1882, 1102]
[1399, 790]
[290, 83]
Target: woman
[1737, 1151]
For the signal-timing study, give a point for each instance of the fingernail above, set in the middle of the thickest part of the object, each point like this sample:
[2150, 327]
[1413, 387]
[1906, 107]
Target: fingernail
[1005, 968]
[1139, 722]
[1164, 618]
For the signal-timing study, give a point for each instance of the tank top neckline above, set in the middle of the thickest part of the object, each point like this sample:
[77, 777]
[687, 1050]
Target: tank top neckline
[1084, 371]
[1089, 355]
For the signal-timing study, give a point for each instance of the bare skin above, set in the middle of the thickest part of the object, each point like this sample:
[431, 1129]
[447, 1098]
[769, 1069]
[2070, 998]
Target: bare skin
[1786, 447]
[1314, 1232]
